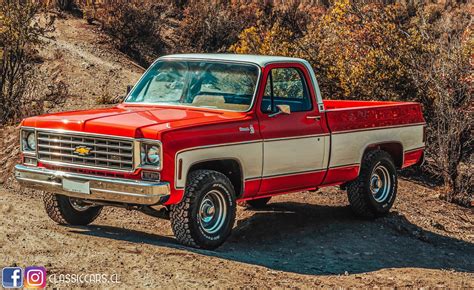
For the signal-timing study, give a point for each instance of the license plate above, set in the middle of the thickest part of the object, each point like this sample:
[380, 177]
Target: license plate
[76, 186]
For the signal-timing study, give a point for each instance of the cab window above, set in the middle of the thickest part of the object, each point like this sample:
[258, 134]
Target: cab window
[286, 86]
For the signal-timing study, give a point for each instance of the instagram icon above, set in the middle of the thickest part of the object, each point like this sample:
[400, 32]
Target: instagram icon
[35, 277]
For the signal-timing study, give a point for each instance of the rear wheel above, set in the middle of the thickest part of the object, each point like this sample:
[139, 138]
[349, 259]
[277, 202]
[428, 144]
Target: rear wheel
[205, 216]
[373, 193]
[68, 210]
[257, 203]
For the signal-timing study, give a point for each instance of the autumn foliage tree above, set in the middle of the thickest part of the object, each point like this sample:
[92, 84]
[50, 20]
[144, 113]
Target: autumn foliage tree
[381, 52]
[359, 51]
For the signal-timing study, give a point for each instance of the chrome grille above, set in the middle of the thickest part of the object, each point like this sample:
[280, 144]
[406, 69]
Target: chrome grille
[106, 153]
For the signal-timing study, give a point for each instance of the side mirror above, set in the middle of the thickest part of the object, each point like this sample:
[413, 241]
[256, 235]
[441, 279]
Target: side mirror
[129, 88]
[282, 109]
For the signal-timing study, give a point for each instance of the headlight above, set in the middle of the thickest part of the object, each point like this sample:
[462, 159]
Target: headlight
[31, 141]
[28, 141]
[151, 155]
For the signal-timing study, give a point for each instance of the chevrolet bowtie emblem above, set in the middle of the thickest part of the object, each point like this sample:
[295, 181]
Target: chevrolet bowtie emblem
[82, 150]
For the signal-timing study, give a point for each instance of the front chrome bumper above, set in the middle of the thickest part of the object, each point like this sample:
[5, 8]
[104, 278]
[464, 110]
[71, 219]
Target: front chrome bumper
[101, 188]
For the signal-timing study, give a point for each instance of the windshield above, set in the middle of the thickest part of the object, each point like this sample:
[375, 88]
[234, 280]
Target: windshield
[227, 86]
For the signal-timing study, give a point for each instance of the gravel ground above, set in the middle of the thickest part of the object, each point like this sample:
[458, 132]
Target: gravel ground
[300, 240]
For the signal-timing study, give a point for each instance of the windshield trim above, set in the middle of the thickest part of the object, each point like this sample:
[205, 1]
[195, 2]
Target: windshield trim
[164, 59]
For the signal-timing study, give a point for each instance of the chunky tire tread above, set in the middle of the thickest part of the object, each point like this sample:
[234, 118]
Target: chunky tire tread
[257, 203]
[181, 213]
[360, 198]
[61, 211]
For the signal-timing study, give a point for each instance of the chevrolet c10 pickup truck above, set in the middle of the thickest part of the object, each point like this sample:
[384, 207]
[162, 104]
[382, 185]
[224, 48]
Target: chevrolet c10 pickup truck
[200, 132]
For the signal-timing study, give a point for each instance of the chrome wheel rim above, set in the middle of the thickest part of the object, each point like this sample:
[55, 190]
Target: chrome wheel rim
[212, 212]
[380, 183]
[78, 205]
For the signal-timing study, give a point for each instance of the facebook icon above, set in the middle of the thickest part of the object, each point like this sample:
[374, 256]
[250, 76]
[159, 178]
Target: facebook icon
[12, 277]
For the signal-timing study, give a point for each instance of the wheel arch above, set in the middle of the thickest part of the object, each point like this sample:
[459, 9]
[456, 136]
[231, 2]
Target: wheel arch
[230, 167]
[393, 148]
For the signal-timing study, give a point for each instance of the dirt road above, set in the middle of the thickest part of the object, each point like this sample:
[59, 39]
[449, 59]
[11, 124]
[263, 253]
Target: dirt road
[300, 240]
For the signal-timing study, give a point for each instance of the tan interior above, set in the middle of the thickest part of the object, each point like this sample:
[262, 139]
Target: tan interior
[218, 102]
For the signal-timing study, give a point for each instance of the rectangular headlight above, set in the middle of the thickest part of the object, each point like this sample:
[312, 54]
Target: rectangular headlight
[28, 141]
[151, 154]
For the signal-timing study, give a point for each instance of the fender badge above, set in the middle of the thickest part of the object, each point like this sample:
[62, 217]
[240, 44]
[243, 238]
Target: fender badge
[249, 129]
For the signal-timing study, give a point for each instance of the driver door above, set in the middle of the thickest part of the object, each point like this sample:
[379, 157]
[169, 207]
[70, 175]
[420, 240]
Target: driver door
[295, 145]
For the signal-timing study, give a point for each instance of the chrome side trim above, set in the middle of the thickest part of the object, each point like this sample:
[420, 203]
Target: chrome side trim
[106, 189]
[297, 137]
[252, 141]
[218, 145]
[294, 173]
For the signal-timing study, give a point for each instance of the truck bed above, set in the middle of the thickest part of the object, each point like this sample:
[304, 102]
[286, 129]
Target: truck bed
[358, 125]
[345, 115]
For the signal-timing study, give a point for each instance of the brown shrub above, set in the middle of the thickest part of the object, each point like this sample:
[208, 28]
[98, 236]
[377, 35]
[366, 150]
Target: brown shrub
[212, 26]
[107, 98]
[444, 80]
[21, 32]
[135, 28]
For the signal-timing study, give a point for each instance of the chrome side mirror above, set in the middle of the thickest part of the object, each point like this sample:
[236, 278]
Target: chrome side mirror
[282, 109]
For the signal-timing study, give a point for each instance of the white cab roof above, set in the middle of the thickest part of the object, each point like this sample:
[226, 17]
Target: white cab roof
[261, 60]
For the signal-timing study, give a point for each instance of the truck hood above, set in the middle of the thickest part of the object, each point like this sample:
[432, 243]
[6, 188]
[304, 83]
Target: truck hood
[129, 121]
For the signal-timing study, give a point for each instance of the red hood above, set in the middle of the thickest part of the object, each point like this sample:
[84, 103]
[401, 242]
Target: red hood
[128, 121]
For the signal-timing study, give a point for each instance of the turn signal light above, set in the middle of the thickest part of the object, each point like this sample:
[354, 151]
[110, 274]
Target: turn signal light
[151, 175]
[30, 161]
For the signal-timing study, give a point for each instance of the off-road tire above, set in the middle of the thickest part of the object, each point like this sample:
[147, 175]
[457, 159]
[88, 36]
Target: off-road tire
[185, 222]
[59, 209]
[257, 203]
[361, 199]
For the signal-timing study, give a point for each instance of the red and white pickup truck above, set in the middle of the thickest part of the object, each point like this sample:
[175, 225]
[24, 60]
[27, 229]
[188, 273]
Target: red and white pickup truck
[200, 132]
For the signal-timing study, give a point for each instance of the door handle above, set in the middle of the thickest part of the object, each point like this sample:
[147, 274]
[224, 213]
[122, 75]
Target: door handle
[317, 118]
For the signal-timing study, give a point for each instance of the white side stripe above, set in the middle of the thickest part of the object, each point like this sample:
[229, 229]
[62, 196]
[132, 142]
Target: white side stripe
[349, 147]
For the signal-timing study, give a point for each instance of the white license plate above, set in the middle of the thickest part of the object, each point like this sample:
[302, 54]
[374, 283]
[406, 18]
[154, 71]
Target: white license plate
[76, 186]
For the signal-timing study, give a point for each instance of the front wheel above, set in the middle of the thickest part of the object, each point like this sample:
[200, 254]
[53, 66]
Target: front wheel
[205, 216]
[373, 193]
[69, 211]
